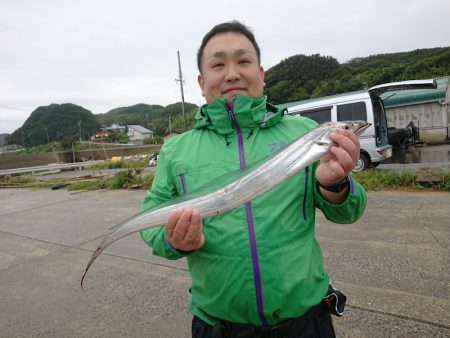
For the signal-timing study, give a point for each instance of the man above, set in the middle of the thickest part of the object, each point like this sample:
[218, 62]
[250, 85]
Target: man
[257, 270]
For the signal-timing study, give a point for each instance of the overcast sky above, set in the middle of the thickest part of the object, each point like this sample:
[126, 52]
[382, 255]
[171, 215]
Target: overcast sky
[107, 54]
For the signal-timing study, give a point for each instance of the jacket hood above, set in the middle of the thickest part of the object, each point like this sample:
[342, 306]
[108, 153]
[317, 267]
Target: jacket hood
[249, 112]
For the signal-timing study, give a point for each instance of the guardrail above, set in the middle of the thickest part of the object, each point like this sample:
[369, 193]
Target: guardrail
[48, 167]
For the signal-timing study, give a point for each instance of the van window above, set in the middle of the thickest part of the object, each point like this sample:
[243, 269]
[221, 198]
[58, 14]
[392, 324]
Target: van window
[319, 115]
[352, 112]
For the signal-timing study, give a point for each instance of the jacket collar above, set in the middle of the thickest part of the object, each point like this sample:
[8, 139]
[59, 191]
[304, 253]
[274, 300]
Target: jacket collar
[249, 112]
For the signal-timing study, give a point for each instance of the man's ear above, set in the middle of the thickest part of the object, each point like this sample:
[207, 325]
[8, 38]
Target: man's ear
[201, 82]
[261, 70]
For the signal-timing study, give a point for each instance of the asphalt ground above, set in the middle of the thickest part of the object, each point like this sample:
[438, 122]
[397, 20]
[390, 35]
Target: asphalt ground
[393, 265]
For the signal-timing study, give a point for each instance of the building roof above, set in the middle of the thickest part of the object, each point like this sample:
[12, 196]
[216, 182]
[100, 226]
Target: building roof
[417, 96]
[139, 128]
[316, 99]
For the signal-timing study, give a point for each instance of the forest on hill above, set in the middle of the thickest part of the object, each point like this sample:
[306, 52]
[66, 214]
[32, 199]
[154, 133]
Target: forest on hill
[66, 122]
[61, 122]
[298, 77]
[302, 77]
[153, 117]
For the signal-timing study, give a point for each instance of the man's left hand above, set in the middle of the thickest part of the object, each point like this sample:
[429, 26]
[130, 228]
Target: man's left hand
[338, 163]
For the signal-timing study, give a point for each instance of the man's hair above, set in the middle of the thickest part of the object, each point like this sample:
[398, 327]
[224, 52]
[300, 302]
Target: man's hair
[227, 27]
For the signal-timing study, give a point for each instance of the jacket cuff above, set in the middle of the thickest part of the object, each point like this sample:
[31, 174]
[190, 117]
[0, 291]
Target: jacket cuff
[351, 190]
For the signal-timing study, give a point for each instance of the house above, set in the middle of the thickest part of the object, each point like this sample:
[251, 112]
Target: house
[137, 134]
[11, 148]
[428, 109]
[116, 128]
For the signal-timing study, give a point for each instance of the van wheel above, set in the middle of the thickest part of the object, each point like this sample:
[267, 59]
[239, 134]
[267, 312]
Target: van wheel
[363, 163]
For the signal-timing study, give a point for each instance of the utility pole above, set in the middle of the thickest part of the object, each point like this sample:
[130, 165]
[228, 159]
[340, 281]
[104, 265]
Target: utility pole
[79, 127]
[181, 87]
[48, 139]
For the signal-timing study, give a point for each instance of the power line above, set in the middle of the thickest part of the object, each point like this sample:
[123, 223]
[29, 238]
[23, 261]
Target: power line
[14, 108]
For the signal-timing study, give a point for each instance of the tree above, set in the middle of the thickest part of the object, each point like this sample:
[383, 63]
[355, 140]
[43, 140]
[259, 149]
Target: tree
[48, 123]
[301, 77]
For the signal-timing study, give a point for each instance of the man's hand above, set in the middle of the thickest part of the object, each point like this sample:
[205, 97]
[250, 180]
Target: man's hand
[337, 164]
[184, 230]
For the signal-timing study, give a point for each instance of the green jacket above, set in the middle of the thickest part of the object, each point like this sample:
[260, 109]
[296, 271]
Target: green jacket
[261, 262]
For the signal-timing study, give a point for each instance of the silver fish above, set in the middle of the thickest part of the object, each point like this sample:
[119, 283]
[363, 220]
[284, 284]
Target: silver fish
[298, 155]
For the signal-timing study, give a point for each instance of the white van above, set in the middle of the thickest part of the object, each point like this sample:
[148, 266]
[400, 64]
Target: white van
[361, 105]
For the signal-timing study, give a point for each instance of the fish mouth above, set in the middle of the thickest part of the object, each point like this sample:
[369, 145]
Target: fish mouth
[362, 127]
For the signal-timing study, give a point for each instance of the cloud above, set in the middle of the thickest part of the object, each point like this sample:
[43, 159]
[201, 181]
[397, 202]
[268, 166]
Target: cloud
[104, 54]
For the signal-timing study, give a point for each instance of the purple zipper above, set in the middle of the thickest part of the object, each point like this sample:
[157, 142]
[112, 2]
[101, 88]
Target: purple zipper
[251, 227]
[306, 193]
[183, 183]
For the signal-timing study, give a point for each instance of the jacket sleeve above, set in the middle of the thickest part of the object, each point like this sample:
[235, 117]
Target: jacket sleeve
[162, 189]
[348, 211]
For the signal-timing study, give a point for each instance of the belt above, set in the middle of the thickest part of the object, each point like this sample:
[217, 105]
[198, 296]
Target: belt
[280, 330]
[333, 302]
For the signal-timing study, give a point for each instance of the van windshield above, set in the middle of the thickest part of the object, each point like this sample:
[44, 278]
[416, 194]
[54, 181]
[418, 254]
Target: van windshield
[379, 117]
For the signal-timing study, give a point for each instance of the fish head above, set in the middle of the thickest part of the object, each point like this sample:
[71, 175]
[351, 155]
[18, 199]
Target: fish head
[323, 137]
[357, 126]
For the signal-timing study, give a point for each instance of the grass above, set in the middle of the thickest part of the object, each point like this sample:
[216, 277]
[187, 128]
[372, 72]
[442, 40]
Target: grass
[430, 179]
[422, 179]
[107, 165]
[59, 146]
[118, 181]
[119, 164]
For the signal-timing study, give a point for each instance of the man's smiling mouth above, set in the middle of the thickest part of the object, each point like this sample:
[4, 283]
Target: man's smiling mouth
[233, 89]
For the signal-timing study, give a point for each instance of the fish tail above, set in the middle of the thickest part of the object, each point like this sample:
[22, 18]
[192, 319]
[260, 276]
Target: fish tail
[93, 258]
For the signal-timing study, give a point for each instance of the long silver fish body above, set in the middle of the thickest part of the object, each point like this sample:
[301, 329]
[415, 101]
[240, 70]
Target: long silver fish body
[298, 155]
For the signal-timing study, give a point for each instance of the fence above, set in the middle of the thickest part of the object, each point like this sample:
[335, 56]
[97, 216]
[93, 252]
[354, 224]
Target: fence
[31, 160]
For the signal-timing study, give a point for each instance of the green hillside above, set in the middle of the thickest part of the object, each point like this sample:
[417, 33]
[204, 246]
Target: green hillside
[137, 114]
[302, 77]
[56, 122]
[153, 117]
[296, 78]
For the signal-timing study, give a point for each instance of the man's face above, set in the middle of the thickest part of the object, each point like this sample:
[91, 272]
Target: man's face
[230, 66]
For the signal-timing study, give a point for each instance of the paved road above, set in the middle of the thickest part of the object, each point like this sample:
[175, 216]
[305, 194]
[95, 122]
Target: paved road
[393, 265]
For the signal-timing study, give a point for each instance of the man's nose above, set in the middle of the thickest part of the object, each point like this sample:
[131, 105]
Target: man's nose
[232, 73]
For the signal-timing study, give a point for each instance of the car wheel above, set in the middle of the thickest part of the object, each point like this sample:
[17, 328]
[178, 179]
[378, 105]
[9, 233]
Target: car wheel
[363, 163]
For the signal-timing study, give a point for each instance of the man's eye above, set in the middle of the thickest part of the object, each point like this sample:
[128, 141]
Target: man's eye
[218, 65]
[244, 61]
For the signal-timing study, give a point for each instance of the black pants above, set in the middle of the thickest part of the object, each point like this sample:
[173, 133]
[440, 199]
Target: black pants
[316, 323]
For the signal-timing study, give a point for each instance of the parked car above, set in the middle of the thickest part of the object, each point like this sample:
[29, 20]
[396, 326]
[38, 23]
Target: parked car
[361, 105]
